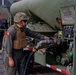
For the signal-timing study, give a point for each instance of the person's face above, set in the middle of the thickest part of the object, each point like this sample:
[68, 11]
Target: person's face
[23, 23]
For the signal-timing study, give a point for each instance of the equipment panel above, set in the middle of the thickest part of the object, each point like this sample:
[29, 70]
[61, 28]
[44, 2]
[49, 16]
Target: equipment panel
[67, 14]
[68, 32]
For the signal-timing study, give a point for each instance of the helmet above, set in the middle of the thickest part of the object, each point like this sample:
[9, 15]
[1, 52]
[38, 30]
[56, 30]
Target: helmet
[20, 16]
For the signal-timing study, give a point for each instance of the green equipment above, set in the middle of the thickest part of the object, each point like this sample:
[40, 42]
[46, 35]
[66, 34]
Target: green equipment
[43, 13]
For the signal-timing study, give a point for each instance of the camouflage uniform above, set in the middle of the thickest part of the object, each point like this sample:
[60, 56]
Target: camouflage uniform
[16, 54]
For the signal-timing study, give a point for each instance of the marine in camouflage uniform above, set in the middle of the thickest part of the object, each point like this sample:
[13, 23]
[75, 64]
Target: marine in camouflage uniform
[15, 41]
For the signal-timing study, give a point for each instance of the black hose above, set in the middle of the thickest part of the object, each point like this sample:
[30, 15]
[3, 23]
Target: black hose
[32, 53]
[27, 63]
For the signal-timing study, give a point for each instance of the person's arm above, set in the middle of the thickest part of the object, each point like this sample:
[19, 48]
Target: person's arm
[35, 34]
[9, 38]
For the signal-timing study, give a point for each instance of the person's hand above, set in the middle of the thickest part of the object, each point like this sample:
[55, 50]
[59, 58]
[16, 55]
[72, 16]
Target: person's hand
[46, 38]
[11, 62]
